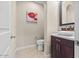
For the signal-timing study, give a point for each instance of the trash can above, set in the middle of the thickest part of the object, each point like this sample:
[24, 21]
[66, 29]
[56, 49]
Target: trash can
[40, 45]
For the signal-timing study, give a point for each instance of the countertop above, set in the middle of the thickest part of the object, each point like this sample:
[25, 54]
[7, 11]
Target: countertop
[65, 37]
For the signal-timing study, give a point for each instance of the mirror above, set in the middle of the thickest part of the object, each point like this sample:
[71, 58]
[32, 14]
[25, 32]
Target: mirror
[67, 12]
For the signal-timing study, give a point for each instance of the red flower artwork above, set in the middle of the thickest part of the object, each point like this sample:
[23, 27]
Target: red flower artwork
[32, 16]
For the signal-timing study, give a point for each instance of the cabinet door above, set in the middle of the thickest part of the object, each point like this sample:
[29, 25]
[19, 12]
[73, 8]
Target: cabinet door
[67, 51]
[55, 47]
[62, 48]
[58, 50]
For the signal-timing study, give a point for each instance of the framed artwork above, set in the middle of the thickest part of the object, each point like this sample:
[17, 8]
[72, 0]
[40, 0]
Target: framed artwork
[31, 17]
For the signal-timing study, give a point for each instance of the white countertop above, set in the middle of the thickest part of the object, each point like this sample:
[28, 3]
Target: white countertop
[65, 37]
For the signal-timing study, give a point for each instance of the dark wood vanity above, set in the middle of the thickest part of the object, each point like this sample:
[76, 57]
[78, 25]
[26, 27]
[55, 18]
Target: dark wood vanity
[61, 48]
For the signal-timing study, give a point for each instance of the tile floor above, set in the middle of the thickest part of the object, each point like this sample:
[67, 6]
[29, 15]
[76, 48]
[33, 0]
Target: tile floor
[30, 53]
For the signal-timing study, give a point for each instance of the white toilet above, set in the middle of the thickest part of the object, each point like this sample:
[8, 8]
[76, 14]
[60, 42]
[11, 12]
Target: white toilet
[40, 45]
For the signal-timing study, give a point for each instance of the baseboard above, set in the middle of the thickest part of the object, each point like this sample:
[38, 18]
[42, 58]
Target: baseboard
[24, 47]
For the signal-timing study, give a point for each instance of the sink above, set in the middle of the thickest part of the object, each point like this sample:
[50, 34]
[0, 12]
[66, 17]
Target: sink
[66, 33]
[70, 35]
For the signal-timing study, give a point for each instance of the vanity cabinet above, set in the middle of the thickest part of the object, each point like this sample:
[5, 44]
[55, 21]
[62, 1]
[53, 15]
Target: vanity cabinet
[61, 48]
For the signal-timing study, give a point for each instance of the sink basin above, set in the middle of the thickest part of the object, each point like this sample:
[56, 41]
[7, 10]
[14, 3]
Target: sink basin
[70, 35]
[65, 33]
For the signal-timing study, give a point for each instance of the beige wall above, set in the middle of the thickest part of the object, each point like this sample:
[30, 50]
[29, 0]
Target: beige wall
[26, 32]
[51, 24]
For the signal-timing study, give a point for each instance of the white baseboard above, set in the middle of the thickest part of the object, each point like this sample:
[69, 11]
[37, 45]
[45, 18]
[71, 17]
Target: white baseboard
[24, 47]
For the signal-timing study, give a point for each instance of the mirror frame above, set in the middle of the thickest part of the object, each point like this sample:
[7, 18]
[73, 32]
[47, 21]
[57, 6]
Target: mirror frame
[60, 16]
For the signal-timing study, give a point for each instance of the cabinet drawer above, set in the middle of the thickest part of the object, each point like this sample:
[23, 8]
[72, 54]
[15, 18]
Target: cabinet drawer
[56, 39]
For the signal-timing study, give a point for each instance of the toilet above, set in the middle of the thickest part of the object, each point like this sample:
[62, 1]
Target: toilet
[40, 45]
